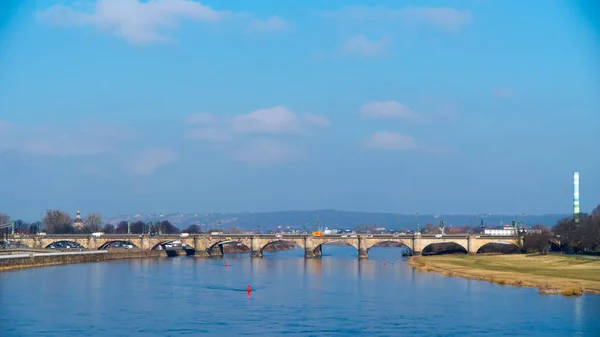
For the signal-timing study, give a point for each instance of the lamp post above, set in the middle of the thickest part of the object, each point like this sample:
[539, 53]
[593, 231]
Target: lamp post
[160, 223]
[417, 223]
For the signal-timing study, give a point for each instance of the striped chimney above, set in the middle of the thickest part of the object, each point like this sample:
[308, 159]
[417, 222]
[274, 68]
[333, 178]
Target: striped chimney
[575, 193]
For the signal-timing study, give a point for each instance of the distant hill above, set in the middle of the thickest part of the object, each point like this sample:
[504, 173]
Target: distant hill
[333, 219]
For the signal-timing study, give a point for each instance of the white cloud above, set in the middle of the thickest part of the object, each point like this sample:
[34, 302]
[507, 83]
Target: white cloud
[446, 18]
[82, 140]
[362, 46]
[387, 110]
[266, 152]
[276, 120]
[149, 160]
[273, 23]
[244, 137]
[386, 140]
[138, 22]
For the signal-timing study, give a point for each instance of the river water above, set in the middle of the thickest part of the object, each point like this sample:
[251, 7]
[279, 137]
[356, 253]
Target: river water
[336, 295]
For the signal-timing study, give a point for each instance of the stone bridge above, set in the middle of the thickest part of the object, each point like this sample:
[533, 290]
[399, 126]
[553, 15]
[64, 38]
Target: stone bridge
[211, 245]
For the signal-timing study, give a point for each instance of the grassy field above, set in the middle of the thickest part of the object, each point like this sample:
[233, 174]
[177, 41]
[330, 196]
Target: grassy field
[565, 275]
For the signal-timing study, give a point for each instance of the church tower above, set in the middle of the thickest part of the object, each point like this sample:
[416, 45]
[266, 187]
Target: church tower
[78, 223]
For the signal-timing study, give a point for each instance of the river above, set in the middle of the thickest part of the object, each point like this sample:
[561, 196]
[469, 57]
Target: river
[336, 295]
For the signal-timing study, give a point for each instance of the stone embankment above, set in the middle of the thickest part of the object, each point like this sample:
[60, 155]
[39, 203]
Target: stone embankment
[16, 259]
[27, 259]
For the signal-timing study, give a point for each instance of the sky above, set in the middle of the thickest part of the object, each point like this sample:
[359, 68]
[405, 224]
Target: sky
[445, 107]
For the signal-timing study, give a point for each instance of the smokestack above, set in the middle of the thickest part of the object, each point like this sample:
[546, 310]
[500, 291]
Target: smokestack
[576, 193]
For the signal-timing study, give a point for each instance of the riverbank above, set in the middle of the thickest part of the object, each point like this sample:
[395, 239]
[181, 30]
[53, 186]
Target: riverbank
[19, 259]
[551, 274]
[27, 260]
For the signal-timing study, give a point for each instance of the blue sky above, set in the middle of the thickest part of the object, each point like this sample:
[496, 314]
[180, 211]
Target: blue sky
[469, 106]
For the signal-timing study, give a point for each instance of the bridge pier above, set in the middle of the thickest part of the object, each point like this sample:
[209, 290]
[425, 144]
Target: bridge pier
[255, 247]
[309, 247]
[201, 253]
[144, 244]
[471, 247]
[256, 253]
[216, 250]
[200, 247]
[363, 252]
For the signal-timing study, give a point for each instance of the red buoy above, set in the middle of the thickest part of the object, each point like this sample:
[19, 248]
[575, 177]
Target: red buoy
[226, 264]
[249, 289]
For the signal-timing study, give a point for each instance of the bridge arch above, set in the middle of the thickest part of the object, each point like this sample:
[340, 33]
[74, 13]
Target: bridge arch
[554, 245]
[384, 242]
[217, 248]
[165, 242]
[62, 244]
[107, 244]
[271, 243]
[341, 242]
[444, 247]
[512, 247]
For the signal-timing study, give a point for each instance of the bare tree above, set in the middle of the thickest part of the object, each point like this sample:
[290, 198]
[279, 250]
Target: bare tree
[581, 234]
[21, 227]
[108, 229]
[4, 218]
[537, 242]
[58, 222]
[192, 229]
[168, 228]
[34, 227]
[92, 223]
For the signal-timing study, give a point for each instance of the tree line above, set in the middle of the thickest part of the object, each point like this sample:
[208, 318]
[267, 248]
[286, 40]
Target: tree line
[573, 235]
[59, 222]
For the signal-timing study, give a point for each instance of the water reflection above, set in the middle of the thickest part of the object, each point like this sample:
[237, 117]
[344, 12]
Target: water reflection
[578, 313]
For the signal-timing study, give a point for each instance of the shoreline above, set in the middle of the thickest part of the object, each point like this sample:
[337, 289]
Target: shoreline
[44, 258]
[53, 259]
[544, 272]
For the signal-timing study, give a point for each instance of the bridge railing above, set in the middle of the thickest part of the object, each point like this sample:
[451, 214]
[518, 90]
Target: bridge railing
[237, 236]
